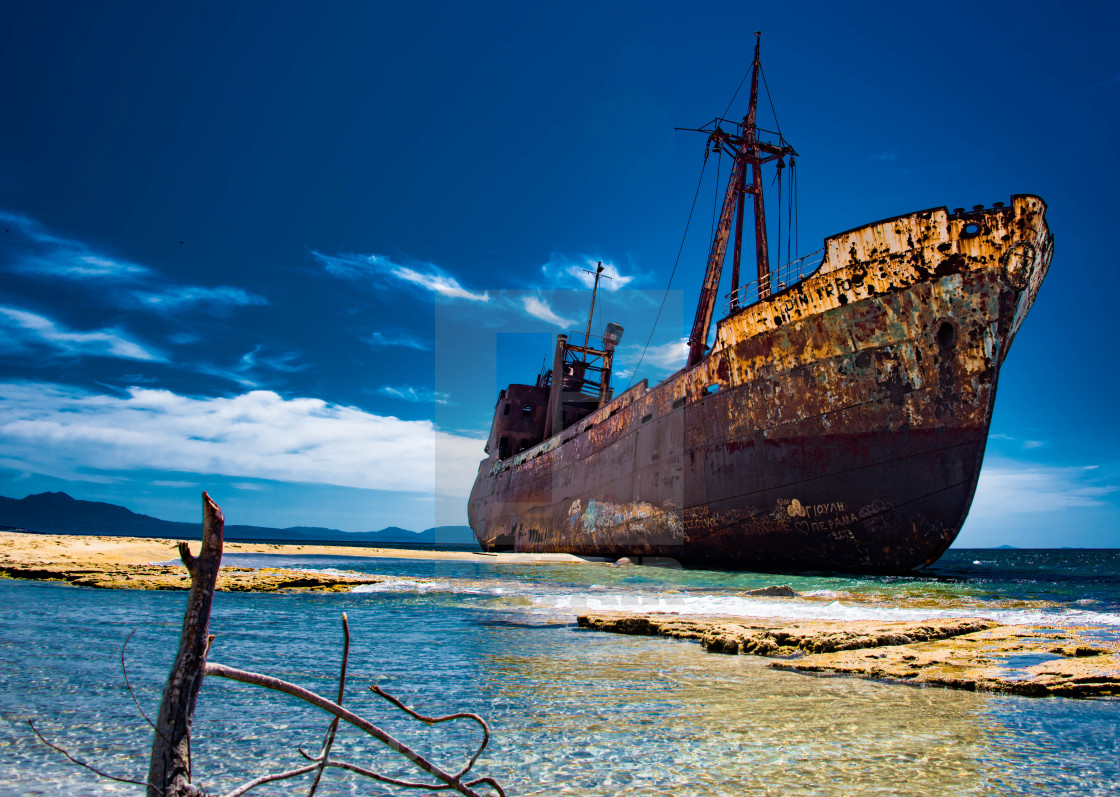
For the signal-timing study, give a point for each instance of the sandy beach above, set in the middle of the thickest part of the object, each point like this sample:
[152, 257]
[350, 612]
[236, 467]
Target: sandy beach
[144, 563]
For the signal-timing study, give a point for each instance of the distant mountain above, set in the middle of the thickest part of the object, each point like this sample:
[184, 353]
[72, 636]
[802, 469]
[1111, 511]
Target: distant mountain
[58, 513]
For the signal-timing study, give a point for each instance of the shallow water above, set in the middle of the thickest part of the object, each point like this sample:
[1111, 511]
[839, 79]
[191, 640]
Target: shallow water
[571, 711]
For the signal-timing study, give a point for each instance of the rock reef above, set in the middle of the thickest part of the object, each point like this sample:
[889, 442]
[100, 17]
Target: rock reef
[230, 579]
[961, 653]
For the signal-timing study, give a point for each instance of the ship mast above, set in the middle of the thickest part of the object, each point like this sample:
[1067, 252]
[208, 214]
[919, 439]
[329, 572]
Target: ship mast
[747, 149]
[597, 273]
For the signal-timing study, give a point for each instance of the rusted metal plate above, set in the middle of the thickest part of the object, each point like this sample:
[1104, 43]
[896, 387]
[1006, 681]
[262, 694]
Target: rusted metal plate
[838, 424]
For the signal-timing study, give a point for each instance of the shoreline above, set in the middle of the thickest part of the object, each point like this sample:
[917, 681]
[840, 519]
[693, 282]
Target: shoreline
[149, 563]
[973, 653]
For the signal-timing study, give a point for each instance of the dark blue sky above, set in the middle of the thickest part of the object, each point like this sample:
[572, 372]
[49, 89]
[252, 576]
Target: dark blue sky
[288, 253]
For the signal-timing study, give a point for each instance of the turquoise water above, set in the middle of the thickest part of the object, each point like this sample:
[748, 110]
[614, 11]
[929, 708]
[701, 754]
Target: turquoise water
[571, 712]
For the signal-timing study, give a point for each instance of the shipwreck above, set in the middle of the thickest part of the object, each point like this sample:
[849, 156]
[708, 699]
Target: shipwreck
[836, 419]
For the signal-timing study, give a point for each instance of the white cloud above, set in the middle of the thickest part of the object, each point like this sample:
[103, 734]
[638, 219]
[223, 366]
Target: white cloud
[430, 278]
[561, 269]
[39, 253]
[53, 256]
[666, 358]
[69, 433]
[419, 395]
[439, 284]
[277, 362]
[377, 340]
[1011, 488]
[538, 308]
[180, 297]
[24, 329]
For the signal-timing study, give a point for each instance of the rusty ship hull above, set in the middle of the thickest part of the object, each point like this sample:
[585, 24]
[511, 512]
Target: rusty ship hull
[836, 424]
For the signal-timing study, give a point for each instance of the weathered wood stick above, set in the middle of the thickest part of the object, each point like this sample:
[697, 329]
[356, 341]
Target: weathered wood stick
[257, 679]
[169, 770]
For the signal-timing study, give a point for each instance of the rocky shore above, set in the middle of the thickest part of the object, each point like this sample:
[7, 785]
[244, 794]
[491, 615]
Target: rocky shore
[961, 653]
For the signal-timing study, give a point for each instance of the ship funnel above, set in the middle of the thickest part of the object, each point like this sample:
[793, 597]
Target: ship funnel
[612, 336]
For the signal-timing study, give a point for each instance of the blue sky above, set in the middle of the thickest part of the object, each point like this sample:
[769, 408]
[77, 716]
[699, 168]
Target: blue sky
[288, 254]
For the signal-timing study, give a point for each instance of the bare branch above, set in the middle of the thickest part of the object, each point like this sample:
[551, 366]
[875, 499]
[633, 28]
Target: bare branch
[369, 773]
[91, 768]
[377, 690]
[186, 557]
[128, 686]
[491, 783]
[408, 784]
[256, 679]
[328, 742]
[169, 773]
[292, 773]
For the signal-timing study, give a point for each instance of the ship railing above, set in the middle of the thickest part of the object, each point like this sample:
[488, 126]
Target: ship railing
[778, 280]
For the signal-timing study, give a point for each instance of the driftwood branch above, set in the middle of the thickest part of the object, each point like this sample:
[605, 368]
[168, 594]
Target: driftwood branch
[128, 686]
[263, 779]
[377, 690]
[80, 763]
[328, 742]
[169, 771]
[447, 780]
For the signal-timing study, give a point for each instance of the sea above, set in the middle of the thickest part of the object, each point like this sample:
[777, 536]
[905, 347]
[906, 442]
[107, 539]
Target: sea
[570, 711]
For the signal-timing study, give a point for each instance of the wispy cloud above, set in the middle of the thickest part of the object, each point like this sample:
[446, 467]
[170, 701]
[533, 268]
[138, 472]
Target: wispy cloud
[69, 433]
[45, 254]
[182, 297]
[887, 156]
[379, 340]
[439, 284]
[283, 363]
[25, 331]
[36, 252]
[538, 308]
[564, 271]
[662, 359]
[426, 276]
[419, 395]
[1024, 444]
[1019, 488]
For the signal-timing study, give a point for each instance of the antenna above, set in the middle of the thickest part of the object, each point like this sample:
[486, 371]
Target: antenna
[598, 272]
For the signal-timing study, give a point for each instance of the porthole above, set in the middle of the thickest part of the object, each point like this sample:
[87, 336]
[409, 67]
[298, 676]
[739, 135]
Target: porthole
[970, 230]
[946, 335]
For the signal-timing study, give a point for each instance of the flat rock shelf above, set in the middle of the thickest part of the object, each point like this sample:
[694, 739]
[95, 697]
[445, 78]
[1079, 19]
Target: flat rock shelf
[962, 653]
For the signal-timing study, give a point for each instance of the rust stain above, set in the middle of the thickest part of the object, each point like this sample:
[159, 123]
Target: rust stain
[841, 420]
